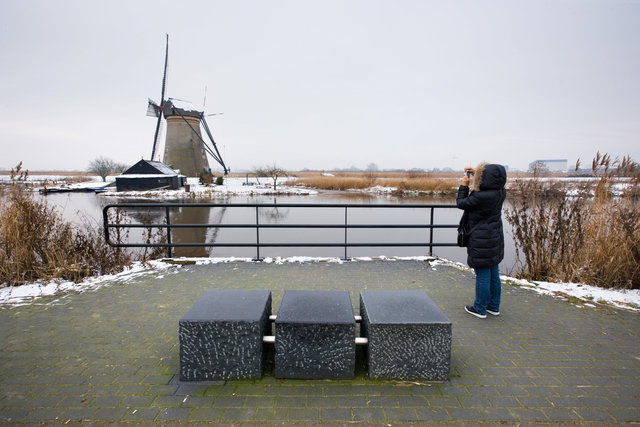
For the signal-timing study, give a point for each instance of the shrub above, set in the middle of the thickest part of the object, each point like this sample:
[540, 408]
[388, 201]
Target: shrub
[587, 232]
[36, 243]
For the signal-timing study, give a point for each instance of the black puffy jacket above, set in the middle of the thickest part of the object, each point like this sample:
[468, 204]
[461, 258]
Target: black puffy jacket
[483, 205]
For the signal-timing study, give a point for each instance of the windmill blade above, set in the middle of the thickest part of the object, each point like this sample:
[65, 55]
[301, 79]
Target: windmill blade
[156, 138]
[164, 75]
[153, 109]
[153, 105]
[216, 155]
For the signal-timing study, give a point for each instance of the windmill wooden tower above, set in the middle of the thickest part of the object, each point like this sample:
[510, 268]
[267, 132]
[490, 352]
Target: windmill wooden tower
[184, 147]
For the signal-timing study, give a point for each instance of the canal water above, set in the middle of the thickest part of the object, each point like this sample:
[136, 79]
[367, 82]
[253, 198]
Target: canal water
[87, 208]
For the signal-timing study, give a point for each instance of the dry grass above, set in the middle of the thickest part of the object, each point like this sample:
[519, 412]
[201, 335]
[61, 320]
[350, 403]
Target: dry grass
[403, 181]
[590, 234]
[335, 182]
[37, 244]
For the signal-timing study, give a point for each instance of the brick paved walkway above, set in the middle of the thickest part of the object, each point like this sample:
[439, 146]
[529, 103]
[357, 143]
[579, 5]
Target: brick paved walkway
[112, 355]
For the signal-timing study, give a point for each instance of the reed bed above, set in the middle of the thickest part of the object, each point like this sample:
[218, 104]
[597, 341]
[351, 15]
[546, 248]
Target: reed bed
[402, 182]
[588, 234]
[37, 244]
[335, 182]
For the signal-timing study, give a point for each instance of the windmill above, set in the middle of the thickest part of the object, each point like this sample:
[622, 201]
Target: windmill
[184, 148]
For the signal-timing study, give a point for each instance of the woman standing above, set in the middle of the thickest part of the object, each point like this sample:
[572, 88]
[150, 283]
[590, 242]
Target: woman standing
[485, 247]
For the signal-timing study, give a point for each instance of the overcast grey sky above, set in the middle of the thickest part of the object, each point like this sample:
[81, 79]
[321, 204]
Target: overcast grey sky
[324, 84]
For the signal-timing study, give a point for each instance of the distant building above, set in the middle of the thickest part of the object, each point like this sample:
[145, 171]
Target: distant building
[149, 175]
[555, 165]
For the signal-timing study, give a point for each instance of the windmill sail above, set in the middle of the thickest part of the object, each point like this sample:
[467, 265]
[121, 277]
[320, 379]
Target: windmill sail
[157, 109]
[153, 109]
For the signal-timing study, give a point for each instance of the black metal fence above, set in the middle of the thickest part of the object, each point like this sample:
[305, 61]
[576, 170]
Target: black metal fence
[164, 210]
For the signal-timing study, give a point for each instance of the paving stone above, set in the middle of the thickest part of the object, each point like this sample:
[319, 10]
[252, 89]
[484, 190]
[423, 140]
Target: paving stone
[382, 401]
[304, 414]
[41, 414]
[534, 402]
[78, 414]
[593, 414]
[104, 401]
[503, 402]
[109, 414]
[206, 414]
[465, 414]
[128, 389]
[526, 414]
[624, 414]
[259, 401]
[335, 414]
[137, 401]
[271, 414]
[45, 401]
[229, 401]
[561, 414]
[13, 414]
[351, 401]
[291, 401]
[197, 401]
[239, 414]
[401, 414]
[141, 414]
[493, 414]
[322, 402]
[405, 401]
[368, 414]
[433, 414]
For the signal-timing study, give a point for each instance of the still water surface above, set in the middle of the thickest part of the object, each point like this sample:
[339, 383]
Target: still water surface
[87, 207]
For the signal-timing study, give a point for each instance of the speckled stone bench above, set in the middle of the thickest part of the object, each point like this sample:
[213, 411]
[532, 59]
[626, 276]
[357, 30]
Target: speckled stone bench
[315, 336]
[221, 337]
[409, 337]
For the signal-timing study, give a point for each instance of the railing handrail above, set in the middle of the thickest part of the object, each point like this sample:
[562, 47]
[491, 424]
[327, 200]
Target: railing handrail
[168, 225]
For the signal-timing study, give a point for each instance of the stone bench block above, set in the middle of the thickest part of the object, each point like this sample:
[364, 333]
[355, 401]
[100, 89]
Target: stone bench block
[221, 336]
[409, 337]
[315, 336]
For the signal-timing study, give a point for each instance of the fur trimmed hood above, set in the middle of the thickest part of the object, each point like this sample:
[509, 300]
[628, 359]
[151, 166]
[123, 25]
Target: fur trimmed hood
[489, 176]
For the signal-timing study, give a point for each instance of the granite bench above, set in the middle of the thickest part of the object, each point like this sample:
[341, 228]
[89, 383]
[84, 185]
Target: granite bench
[221, 337]
[408, 336]
[315, 336]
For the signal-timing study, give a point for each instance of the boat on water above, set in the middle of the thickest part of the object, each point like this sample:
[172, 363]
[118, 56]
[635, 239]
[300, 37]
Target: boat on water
[50, 190]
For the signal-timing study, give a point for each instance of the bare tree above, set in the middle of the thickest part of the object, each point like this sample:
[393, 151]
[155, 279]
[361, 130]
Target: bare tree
[103, 166]
[274, 172]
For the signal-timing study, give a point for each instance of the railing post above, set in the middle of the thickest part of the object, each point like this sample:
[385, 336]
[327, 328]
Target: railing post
[105, 222]
[257, 258]
[346, 258]
[431, 234]
[166, 212]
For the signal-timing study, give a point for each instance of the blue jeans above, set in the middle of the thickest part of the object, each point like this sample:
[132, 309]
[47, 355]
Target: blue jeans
[488, 289]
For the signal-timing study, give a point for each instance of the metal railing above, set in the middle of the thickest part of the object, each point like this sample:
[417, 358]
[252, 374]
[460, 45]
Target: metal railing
[168, 226]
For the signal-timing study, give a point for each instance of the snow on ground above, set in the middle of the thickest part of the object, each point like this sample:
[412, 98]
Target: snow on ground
[30, 293]
[231, 186]
[588, 296]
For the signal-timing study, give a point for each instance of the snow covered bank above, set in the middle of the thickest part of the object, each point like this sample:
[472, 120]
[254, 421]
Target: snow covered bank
[231, 187]
[582, 295]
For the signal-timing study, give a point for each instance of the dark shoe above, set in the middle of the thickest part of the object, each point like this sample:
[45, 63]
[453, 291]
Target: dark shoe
[493, 313]
[469, 309]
